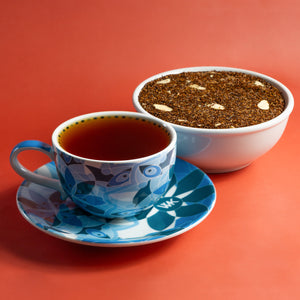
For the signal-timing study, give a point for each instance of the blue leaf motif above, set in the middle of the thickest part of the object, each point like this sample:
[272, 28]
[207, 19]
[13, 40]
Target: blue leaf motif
[190, 210]
[160, 221]
[65, 216]
[93, 200]
[69, 179]
[84, 187]
[200, 194]
[66, 158]
[142, 194]
[189, 182]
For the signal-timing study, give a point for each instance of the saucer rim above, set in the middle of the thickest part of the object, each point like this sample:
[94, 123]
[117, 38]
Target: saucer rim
[122, 242]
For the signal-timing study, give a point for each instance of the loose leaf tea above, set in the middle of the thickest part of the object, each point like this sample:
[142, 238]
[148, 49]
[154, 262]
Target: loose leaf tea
[212, 99]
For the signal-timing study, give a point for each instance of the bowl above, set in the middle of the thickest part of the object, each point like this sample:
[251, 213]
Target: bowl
[219, 150]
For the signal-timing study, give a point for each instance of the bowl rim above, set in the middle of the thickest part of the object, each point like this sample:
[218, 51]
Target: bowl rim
[288, 97]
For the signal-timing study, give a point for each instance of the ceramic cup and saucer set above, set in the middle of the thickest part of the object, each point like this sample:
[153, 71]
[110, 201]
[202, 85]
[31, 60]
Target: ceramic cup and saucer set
[121, 179]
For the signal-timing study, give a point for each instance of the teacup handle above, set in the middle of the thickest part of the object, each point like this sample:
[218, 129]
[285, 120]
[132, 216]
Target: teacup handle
[29, 175]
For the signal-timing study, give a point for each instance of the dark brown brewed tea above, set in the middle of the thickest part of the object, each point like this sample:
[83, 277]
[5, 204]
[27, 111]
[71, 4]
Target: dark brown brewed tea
[114, 138]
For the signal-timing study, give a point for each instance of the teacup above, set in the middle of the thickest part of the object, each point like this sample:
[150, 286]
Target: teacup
[128, 173]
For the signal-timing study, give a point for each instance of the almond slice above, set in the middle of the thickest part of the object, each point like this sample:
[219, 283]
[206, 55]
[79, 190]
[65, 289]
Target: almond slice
[164, 81]
[197, 87]
[263, 104]
[216, 106]
[162, 107]
[258, 83]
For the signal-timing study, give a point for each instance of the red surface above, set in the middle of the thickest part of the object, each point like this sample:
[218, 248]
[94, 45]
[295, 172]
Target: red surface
[63, 58]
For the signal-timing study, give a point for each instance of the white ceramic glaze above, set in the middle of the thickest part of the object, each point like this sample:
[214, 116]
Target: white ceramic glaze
[225, 150]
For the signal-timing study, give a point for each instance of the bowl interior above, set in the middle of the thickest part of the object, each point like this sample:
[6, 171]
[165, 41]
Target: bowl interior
[287, 95]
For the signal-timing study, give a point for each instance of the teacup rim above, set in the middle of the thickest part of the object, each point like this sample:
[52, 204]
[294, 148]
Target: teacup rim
[288, 97]
[72, 120]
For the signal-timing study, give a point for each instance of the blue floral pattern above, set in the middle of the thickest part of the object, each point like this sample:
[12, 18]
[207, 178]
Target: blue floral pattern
[189, 198]
[115, 189]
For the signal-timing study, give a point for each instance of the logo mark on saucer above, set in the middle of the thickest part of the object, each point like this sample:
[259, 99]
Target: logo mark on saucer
[168, 203]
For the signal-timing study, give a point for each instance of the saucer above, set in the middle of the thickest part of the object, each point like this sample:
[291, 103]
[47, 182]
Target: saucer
[188, 201]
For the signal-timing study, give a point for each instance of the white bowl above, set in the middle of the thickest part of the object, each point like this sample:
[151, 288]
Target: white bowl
[226, 150]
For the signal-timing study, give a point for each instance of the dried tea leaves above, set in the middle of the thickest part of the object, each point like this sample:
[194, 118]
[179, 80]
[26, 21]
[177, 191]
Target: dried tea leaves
[215, 99]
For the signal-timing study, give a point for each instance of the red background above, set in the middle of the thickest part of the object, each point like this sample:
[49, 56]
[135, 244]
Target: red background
[63, 58]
